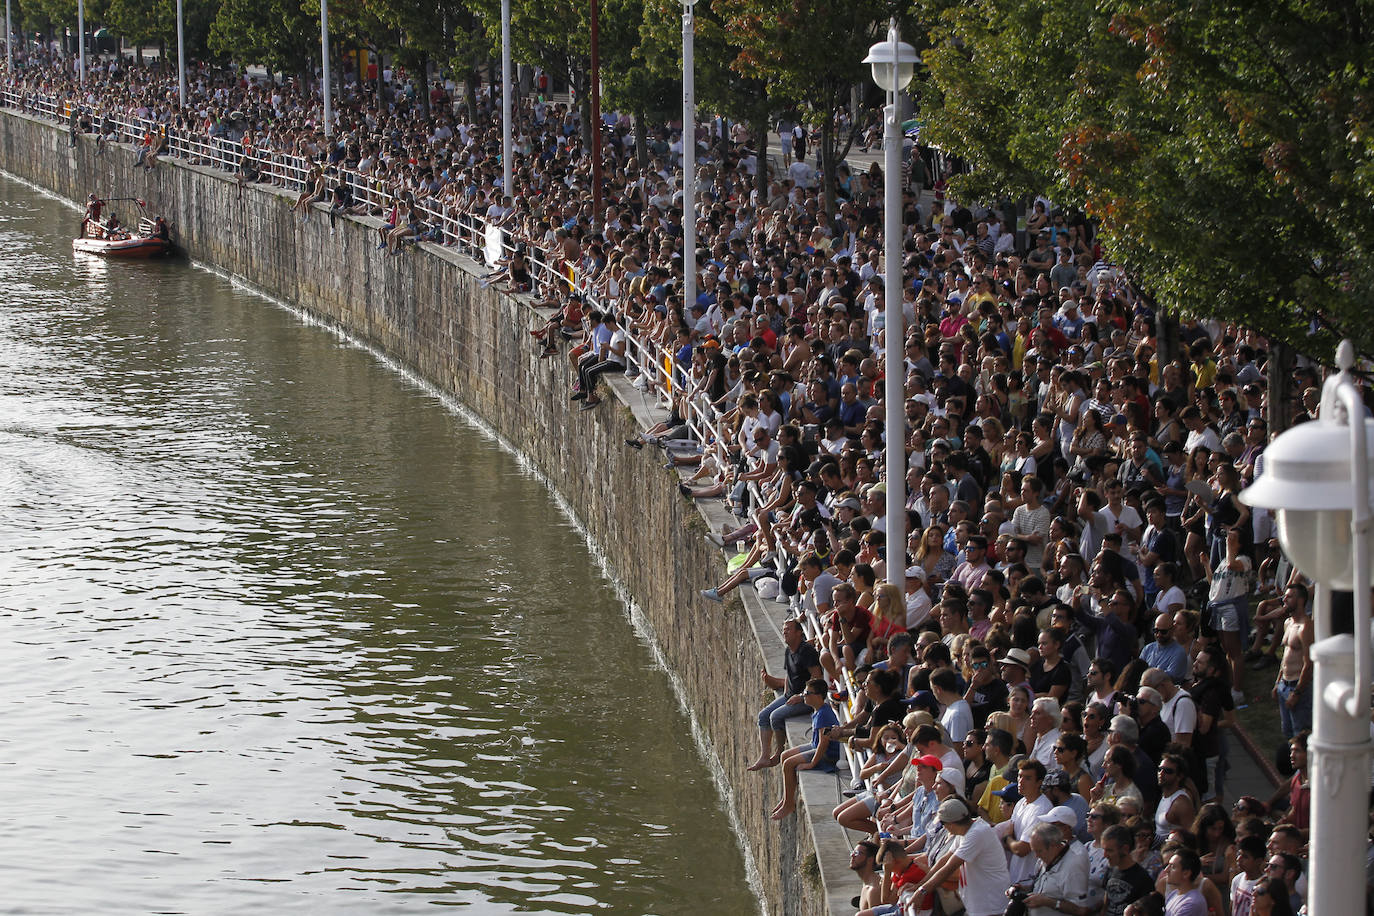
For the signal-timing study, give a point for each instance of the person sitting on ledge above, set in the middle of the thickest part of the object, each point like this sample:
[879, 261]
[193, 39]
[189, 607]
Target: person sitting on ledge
[801, 663]
[609, 357]
[820, 754]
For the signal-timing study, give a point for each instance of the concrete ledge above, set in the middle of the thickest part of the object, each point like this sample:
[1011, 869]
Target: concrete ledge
[426, 310]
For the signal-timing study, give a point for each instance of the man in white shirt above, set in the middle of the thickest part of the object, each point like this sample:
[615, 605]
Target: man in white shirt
[957, 717]
[1016, 831]
[918, 603]
[1062, 878]
[1119, 517]
[1046, 718]
[977, 858]
[1179, 712]
[1199, 433]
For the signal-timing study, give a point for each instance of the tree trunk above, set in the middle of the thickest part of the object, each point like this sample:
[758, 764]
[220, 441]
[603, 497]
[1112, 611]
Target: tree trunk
[423, 88]
[641, 138]
[584, 108]
[828, 163]
[761, 176]
[1279, 373]
[1166, 339]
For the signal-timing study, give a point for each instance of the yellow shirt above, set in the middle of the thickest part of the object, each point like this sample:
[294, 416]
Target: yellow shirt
[1204, 374]
[990, 805]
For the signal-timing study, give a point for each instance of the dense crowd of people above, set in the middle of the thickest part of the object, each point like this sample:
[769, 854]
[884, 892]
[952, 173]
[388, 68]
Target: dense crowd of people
[1042, 709]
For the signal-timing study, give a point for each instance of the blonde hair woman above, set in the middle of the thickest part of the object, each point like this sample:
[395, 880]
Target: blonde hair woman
[889, 619]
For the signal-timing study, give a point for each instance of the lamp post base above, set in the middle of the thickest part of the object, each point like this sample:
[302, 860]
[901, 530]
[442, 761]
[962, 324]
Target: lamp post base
[1338, 772]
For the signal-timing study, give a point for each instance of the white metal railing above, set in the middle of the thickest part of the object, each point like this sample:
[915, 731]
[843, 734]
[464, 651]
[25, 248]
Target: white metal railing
[466, 230]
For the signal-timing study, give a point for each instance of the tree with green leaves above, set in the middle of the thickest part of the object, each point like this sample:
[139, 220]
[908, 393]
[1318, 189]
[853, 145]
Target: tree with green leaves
[809, 55]
[1224, 147]
[720, 88]
[282, 35]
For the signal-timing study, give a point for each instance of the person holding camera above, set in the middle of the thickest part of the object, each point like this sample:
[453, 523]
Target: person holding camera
[1060, 884]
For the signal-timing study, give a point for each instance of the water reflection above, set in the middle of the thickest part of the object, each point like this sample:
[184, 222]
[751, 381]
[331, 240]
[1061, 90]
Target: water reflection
[282, 632]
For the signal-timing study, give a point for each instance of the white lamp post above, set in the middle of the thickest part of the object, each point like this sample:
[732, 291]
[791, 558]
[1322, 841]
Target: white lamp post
[9, 42]
[689, 157]
[1316, 477]
[81, 39]
[181, 61]
[894, 63]
[324, 69]
[507, 167]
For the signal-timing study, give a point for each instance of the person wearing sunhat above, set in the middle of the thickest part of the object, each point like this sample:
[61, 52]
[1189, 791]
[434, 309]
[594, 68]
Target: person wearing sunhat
[1015, 667]
[1060, 882]
[918, 603]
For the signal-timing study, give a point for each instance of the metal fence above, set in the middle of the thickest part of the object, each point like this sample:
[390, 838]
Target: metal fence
[655, 368]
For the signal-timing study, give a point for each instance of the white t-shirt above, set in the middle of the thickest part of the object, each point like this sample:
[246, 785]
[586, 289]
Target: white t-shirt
[1242, 894]
[957, 720]
[1128, 517]
[1180, 714]
[1165, 600]
[918, 607]
[821, 591]
[1206, 436]
[1024, 817]
[983, 880]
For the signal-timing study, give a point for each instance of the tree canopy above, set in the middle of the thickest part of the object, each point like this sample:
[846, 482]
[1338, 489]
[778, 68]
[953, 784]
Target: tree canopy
[1222, 146]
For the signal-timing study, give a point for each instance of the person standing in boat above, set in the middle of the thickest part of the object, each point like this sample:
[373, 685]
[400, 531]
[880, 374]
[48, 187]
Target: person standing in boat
[93, 207]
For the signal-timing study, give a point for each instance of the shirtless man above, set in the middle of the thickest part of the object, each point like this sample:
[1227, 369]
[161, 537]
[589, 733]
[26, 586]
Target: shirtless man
[1293, 687]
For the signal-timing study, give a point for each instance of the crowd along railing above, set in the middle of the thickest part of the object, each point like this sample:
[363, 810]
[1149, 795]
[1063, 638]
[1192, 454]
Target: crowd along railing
[648, 361]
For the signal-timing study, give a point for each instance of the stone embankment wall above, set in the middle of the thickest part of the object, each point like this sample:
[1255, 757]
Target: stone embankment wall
[427, 310]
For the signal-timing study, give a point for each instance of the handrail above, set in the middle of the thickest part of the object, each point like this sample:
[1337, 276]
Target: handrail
[465, 230]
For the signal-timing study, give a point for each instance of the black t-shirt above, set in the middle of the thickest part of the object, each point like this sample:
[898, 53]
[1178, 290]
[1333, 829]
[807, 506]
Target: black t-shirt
[798, 666]
[1041, 680]
[889, 710]
[1213, 698]
[1154, 735]
[1125, 888]
[988, 699]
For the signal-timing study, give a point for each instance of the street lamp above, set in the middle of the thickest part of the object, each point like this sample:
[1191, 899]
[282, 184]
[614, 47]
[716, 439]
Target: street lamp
[689, 157]
[893, 63]
[181, 61]
[81, 39]
[1316, 477]
[507, 166]
[324, 69]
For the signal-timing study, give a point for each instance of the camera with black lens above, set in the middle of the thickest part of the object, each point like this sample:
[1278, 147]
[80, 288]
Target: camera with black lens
[1016, 901]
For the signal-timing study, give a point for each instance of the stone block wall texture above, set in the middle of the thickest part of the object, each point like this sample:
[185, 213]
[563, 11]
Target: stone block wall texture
[427, 310]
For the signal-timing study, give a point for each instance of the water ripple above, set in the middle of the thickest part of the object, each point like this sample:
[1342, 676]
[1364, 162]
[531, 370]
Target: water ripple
[283, 633]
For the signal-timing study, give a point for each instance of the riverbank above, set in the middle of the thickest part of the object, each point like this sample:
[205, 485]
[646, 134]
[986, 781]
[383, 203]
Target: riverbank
[427, 311]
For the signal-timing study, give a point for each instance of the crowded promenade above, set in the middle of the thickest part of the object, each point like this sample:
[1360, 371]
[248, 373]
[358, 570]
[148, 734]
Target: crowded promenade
[1039, 717]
